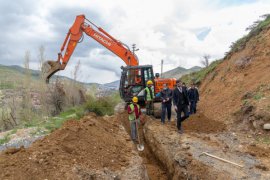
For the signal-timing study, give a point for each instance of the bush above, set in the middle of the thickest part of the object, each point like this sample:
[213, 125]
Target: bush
[254, 30]
[5, 139]
[197, 77]
[103, 105]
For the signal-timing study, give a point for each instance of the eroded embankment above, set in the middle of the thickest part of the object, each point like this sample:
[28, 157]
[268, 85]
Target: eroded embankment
[92, 148]
[182, 155]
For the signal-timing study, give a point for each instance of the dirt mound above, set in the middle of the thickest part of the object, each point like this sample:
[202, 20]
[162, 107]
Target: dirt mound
[78, 149]
[199, 123]
[240, 80]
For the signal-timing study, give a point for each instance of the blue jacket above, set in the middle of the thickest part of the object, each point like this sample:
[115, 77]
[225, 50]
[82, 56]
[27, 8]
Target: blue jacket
[164, 94]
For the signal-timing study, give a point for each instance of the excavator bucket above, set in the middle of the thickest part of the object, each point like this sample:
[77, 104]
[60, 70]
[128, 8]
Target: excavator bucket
[49, 68]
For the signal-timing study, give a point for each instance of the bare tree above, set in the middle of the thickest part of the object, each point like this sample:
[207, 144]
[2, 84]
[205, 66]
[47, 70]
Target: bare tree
[42, 86]
[76, 93]
[41, 57]
[76, 70]
[57, 99]
[205, 60]
[26, 101]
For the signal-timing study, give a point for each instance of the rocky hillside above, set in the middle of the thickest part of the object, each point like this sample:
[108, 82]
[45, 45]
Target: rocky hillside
[179, 72]
[237, 89]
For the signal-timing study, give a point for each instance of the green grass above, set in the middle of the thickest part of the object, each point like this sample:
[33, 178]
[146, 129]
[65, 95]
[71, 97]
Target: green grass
[13, 131]
[56, 122]
[246, 102]
[5, 139]
[7, 85]
[102, 106]
[7, 136]
[255, 29]
[197, 77]
[264, 139]
[258, 96]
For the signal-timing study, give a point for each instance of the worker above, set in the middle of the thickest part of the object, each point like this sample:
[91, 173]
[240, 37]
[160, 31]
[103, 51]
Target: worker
[166, 97]
[134, 112]
[193, 96]
[181, 102]
[149, 98]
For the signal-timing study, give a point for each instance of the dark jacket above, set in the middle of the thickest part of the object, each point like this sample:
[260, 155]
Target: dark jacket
[164, 94]
[180, 99]
[193, 95]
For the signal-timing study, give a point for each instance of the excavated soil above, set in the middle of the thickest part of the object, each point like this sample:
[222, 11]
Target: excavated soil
[92, 148]
[100, 148]
[199, 123]
[182, 154]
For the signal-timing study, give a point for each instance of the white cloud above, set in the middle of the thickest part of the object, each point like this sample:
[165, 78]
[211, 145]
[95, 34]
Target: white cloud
[161, 29]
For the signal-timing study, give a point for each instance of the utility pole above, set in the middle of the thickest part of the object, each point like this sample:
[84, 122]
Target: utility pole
[161, 68]
[134, 48]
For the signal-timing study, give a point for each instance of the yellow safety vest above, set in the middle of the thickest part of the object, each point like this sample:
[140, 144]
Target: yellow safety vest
[148, 95]
[132, 116]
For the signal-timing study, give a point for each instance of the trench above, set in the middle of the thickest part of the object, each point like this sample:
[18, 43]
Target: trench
[155, 169]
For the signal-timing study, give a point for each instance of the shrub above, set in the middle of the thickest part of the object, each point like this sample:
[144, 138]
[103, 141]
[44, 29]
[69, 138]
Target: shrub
[197, 77]
[103, 105]
[254, 30]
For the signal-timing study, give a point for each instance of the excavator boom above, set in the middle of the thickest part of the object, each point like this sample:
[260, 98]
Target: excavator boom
[82, 26]
[133, 77]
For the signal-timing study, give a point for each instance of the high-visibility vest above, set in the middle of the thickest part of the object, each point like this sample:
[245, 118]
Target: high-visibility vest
[132, 116]
[148, 95]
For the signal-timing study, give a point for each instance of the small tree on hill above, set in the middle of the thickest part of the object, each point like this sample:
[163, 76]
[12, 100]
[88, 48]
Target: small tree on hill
[205, 60]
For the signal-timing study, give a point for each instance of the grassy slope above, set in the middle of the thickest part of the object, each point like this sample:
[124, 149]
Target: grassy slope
[240, 44]
[9, 77]
[198, 76]
[239, 80]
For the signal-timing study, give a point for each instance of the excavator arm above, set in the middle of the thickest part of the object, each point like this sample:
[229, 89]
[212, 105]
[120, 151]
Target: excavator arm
[84, 26]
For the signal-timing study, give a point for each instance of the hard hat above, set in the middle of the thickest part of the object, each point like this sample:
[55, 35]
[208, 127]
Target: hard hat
[149, 82]
[135, 99]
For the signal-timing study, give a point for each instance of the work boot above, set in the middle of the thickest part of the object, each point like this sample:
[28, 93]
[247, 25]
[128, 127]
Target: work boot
[181, 131]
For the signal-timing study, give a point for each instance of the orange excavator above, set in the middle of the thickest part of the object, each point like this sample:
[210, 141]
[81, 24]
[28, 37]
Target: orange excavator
[133, 77]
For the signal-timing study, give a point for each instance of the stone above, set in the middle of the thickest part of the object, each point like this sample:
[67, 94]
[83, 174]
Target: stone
[266, 126]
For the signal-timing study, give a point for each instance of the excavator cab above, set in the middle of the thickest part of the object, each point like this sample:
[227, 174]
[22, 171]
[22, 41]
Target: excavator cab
[133, 81]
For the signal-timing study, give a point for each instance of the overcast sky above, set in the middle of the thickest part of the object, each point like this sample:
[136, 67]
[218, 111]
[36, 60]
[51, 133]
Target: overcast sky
[178, 31]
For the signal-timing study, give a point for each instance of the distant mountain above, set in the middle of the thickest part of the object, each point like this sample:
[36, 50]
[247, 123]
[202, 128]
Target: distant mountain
[15, 73]
[179, 71]
[112, 85]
